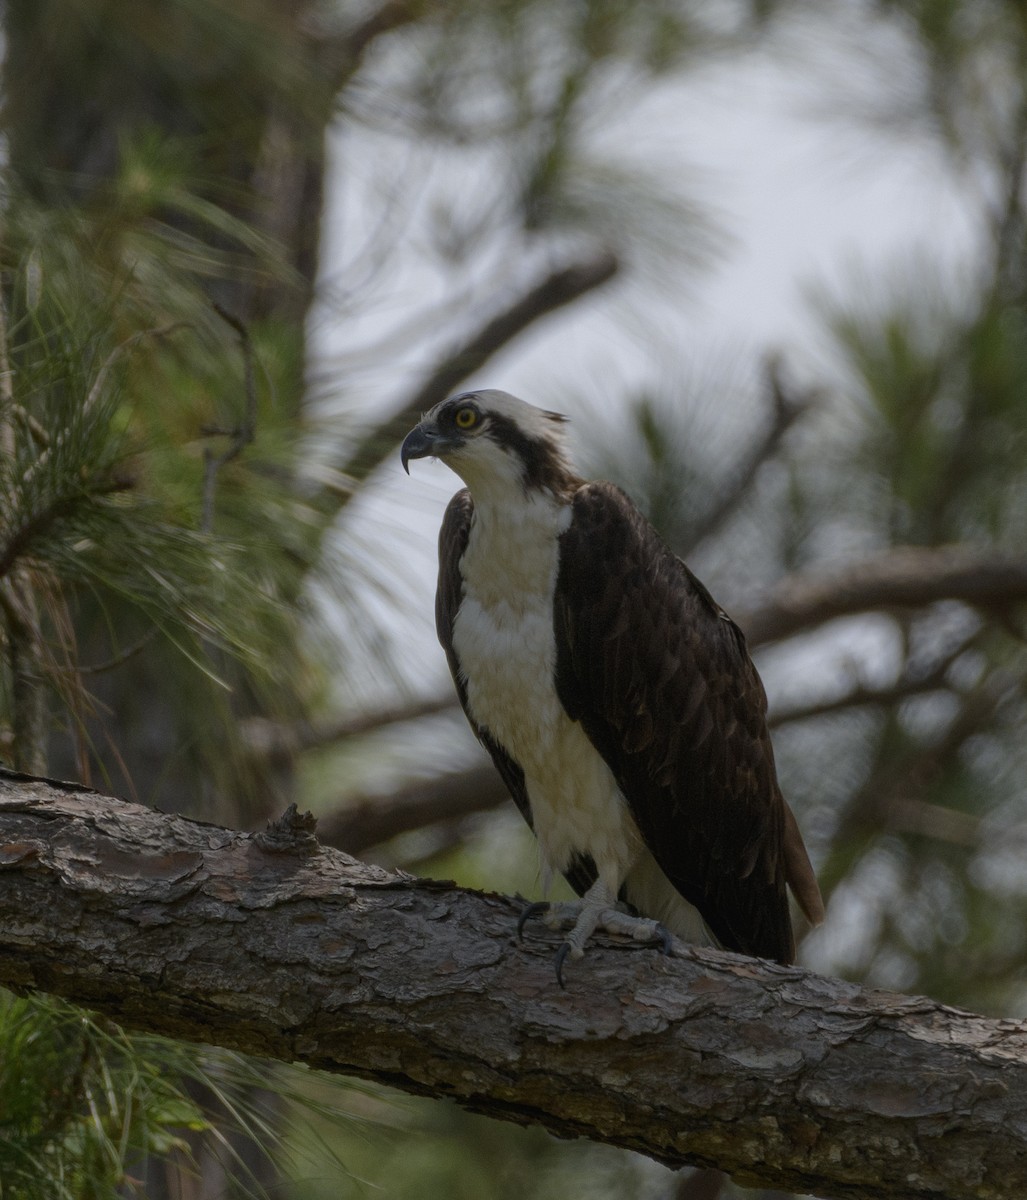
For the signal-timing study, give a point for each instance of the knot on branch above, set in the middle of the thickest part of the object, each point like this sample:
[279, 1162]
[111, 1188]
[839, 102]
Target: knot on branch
[292, 833]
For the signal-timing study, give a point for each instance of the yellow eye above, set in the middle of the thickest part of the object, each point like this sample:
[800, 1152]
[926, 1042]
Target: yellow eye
[466, 418]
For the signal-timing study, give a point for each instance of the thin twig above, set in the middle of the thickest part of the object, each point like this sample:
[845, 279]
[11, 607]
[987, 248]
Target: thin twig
[122, 657]
[275, 741]
[559, 288]
[787, 408]
[121, 348]
[243, 434]
[912, 682]
[39, 435]
[891, 797]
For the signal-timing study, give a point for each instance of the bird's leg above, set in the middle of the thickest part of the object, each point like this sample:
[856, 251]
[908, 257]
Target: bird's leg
[597, 909]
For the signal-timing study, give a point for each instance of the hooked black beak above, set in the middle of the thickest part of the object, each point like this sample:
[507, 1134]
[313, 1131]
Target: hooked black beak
[420, 442]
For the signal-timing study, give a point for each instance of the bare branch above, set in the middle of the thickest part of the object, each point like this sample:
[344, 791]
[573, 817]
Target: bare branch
[277, 741]
[934, 821]
[900, 578]
[559, 288]
[860, 696]
[280, 948]
[891, 796]
[787, 408]
[370, 820]
[912, 682]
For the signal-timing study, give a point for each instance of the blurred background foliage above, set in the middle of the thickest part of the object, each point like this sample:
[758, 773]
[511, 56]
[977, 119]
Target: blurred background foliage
[208, 603]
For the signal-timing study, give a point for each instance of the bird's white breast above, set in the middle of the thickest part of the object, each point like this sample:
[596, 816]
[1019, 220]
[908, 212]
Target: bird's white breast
[504, 640]
[506, 646]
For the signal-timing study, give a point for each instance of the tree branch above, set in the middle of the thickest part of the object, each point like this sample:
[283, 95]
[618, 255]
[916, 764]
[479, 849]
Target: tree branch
[905, 577]
[280, 741]
[786, 408]
[239, 437]
[368, 821]
[557, 289]
[915, 680]
[270, 945]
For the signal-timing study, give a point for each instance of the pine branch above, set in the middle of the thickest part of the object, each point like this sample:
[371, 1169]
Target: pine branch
[100, 382]
[559, 288]
[278, 741]
[37, 524]
[279, 948]
[362, 822]
[915, 680]
[787, 407]
[891, 796]
[899, 578]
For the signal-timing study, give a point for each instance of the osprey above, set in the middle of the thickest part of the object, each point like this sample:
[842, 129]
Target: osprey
[616, 698]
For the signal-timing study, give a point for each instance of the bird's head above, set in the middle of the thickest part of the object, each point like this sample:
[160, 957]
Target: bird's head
[491, 439]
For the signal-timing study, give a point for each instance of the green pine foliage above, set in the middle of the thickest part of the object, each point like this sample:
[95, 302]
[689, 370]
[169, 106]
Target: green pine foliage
[80, 1100]
[167, 503]
[109, 507]
[145, 531]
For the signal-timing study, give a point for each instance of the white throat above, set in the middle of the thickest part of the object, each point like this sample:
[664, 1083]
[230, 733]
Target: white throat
[512, 551]
[494, 476]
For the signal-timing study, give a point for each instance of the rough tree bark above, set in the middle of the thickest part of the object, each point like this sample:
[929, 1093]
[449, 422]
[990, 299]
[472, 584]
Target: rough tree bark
[270, 944]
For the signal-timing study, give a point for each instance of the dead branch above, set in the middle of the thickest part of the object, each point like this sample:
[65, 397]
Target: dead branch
[891, 797]
[287, 950]
[899, 578]
[559, 288]
[786, 408]
[367, 821]
[279, 741]
[915, 680]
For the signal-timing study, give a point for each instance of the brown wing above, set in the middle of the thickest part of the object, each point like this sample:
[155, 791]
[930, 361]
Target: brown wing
[456, 526]
[663, 685]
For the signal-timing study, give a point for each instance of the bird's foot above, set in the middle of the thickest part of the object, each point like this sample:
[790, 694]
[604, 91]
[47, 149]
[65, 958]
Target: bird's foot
[584, 917]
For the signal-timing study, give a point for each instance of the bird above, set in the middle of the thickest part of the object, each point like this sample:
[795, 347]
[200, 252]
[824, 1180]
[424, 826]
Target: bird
[616, 698]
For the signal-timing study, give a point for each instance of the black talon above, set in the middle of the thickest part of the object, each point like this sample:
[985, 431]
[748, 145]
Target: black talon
[666, 939]
[561, 956]
[529, 911]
